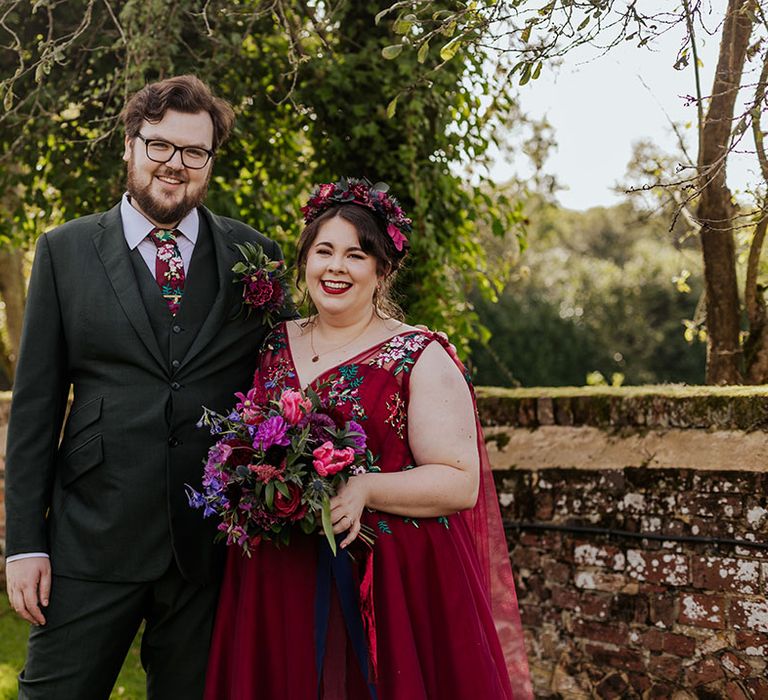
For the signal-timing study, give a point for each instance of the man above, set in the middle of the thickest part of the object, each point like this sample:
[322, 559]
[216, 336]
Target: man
[134, 309]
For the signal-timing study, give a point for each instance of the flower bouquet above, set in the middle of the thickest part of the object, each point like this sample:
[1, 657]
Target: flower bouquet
[275, 466]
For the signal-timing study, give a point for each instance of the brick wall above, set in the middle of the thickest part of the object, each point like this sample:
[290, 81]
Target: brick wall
[609, 614]
[582, 476]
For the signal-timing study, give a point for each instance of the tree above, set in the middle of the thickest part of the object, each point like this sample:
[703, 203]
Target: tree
[593, 292]
[537, 33]
[314, 98]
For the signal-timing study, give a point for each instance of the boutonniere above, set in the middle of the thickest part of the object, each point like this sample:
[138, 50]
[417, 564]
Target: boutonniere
[263, 280]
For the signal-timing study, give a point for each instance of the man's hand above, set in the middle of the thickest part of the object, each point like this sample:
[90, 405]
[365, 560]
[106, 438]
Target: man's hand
[29, 586]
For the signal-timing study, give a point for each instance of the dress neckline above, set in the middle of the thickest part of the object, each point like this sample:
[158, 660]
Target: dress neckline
[348, 361]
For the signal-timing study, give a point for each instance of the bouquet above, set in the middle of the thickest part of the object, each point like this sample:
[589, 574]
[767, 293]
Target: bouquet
[274, 467]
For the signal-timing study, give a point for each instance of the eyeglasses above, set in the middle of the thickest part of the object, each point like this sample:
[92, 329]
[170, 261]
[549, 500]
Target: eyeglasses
[161, 151]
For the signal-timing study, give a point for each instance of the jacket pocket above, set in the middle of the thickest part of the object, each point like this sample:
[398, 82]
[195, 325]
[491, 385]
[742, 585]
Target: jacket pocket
[81, 459]
[83, 416]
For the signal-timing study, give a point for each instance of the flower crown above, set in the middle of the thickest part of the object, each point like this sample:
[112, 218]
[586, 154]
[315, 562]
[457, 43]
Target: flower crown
[361, 191]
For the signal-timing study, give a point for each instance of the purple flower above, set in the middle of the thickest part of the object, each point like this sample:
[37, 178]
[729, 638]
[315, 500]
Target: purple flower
[271, 432]
[359, 440]
[195, 499]
[318, 422]
[218, 454]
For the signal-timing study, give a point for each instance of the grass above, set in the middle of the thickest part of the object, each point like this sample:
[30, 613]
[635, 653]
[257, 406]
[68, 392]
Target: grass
[13, 643]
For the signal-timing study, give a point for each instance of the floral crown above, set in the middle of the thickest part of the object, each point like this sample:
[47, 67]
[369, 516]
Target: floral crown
[361, 191]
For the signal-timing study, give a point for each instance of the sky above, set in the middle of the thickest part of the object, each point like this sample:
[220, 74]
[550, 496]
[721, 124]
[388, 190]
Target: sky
[599, 106]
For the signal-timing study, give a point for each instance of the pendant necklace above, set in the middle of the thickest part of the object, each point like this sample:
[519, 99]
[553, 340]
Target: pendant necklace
[317, 355]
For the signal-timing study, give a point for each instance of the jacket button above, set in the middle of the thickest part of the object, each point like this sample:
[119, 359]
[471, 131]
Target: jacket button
[175, 386]
[173, 441]
[176, 328]
[175, 364]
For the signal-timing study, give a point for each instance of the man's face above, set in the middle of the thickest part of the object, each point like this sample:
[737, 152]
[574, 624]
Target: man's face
[166, 192]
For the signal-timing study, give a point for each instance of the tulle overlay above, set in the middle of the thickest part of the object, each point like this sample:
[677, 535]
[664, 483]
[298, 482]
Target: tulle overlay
[442, 593]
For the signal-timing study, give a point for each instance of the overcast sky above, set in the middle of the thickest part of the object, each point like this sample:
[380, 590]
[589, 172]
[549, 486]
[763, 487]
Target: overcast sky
[599, 107]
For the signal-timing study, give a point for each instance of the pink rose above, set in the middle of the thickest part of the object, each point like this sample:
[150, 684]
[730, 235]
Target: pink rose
[329, 461]
[294, 406]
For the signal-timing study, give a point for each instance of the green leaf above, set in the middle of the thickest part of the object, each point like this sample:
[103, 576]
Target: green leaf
[536, 71]
[392, 107]
[421, 56]
[269, 494]
[381, 15]
[393, 51]
[282, 487]
[449, 50]
[327, 525]
[401, 26]
[526, 76]
[584, 23]
[8, 100]
[526, 33]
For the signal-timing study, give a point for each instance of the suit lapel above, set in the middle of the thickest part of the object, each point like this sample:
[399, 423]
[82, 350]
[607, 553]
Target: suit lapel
[226, 256]
[114, 253]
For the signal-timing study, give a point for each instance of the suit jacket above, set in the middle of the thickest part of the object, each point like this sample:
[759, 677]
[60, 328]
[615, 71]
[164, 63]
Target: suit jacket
[107, 496]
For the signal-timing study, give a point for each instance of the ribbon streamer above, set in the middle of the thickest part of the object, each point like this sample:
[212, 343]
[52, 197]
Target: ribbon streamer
[332, 568]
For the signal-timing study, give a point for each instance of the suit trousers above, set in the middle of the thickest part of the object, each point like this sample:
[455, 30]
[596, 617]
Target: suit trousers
[90, 625]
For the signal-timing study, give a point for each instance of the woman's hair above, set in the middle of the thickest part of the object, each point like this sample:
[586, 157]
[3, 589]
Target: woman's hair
[373, 240]
[184, 93]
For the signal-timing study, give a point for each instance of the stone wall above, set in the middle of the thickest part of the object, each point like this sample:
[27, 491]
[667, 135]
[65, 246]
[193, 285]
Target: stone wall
[638, 529]
[609, 613]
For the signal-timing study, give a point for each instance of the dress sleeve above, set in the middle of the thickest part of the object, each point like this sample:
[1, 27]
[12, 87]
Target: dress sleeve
[485, 524]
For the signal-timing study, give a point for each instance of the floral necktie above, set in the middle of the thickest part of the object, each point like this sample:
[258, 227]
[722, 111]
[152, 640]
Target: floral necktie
[169, 267]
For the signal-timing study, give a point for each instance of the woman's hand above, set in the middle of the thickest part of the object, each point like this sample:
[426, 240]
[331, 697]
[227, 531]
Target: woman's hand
[347, 507]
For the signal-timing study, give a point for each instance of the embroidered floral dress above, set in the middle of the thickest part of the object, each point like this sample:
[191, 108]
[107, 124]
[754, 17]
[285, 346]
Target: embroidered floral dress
[433, 600]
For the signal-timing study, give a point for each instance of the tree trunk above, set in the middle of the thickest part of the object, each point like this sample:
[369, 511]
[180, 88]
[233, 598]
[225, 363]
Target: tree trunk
[715, 211]
[13, 293]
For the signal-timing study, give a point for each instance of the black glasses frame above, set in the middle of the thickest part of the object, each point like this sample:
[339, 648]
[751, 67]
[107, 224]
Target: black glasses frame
[176, 148]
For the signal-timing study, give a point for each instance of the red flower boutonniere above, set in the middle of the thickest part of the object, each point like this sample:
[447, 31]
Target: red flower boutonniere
[263, 280]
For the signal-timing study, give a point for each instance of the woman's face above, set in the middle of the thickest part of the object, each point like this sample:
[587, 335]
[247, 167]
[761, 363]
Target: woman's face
[341, 278]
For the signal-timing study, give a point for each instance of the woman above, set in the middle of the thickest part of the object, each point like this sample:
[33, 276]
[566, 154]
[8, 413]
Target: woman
[435, 589]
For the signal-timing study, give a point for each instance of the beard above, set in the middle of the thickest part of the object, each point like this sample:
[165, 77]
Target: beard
[159, 211]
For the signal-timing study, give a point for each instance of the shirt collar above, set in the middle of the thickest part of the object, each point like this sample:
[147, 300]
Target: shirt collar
[136, 226]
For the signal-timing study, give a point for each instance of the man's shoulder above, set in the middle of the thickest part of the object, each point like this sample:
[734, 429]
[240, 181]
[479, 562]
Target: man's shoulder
[77, 229]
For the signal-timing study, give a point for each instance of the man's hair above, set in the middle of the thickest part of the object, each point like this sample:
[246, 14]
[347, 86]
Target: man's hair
[183, 93]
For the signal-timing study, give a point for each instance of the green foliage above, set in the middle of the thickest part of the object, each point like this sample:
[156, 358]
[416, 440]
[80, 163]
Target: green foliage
[595, 293]
[437, 125]
[316, 98]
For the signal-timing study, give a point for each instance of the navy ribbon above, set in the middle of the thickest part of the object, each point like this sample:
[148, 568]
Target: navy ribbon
[339, 569]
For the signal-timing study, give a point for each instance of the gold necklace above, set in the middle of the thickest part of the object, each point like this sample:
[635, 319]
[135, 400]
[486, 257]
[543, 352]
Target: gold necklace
[317, 355]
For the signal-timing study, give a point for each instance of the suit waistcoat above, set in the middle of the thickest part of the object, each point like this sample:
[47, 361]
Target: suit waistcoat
[175, 333]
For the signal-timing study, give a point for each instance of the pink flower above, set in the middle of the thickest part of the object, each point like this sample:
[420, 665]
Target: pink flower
[267, 472]
[329, 461]
[294, 406]
[326, 190]
[248, 407]
[397, 236]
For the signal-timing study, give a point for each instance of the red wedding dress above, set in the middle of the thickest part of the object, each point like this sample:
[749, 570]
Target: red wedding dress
[444, 617]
